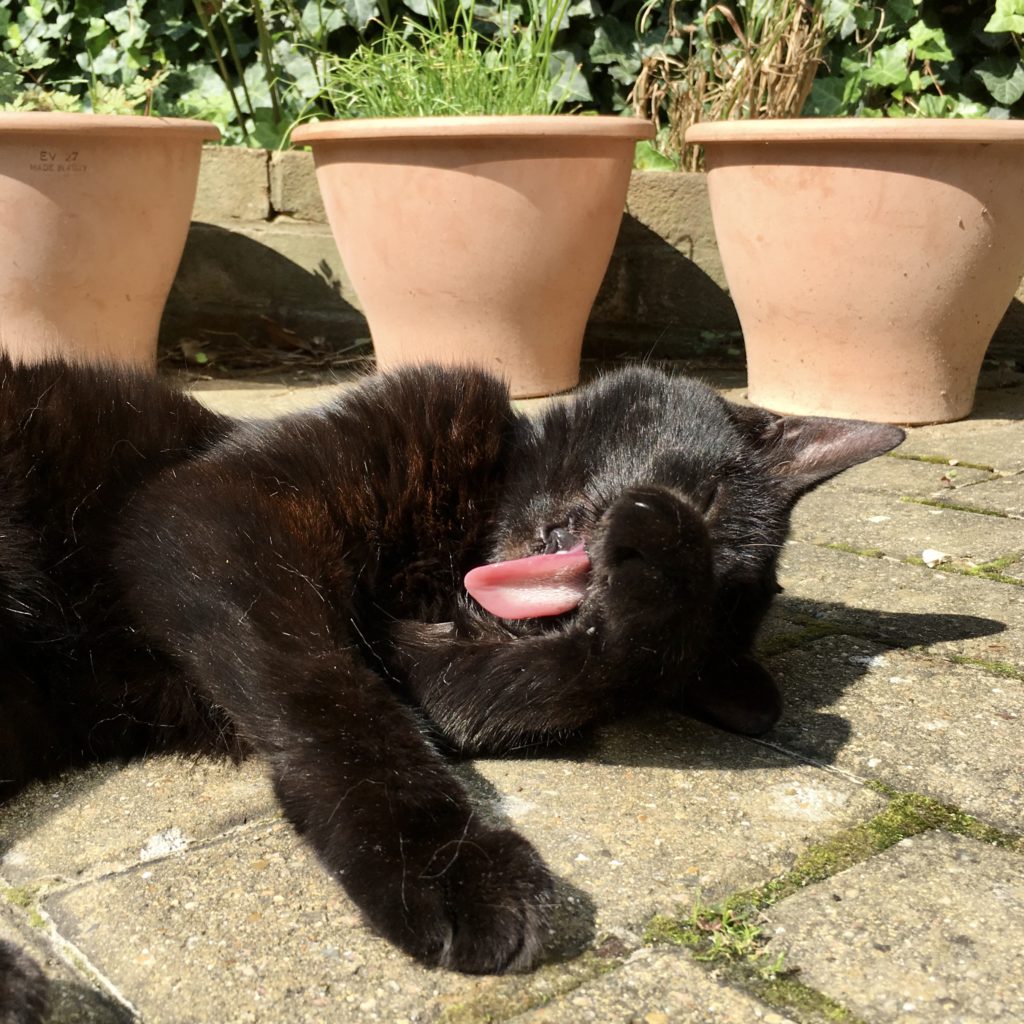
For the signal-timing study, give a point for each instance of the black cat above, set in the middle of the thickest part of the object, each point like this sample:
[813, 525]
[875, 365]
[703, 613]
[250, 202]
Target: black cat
[171, 579]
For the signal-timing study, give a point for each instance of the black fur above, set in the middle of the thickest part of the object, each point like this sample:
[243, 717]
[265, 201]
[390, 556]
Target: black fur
[173, 580]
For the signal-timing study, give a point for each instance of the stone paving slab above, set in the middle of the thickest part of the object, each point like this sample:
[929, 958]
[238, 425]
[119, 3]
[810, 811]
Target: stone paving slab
[655, 987]
[121, 815]
[931, 930]
[663, 811]
[252, 929]
[916, 722]
[261, 401]
[894, 475]
[247, 929]
[1003, 494]
[883, 523]
[905, 605]
[695, 814]
[993, 436]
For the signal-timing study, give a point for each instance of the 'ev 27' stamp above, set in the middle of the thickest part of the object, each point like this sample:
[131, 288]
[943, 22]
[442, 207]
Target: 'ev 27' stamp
[57, 161]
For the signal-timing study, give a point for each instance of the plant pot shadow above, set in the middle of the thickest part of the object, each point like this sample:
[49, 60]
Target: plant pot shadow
[657, 302]
[234, 287]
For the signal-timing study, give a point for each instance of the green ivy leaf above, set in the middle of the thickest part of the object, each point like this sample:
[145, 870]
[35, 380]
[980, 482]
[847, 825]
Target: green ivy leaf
[647, 158]
[582, 8]
[828, 97]
[902, 10]
[840, 16]
[614, 44]
[932, 105]
[359, 13]
[10, 79]
[318, 20]
[1003, 77]
[929, 43]
[889, 64]
[568, 83]
[1008, 17]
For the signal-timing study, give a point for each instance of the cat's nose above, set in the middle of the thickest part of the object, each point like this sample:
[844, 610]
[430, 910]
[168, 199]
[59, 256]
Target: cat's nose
[560, 539]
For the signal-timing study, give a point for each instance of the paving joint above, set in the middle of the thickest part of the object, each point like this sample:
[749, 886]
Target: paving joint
[728, 936]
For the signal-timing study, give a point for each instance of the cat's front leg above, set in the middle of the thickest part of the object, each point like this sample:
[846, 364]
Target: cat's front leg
[653, 580]
[381, 809]
[237, 595]
[735, 693]
[491, 689]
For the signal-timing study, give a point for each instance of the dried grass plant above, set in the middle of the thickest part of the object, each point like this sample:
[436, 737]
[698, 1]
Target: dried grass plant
[746, 60]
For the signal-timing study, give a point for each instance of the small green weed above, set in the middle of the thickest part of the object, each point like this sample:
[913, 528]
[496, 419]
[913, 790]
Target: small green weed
[718, 933]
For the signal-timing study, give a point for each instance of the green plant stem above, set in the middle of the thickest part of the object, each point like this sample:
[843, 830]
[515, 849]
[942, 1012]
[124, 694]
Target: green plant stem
[222, 67]
[236, 60]
[269, 70]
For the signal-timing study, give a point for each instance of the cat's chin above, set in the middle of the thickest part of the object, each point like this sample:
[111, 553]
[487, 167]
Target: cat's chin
[736, 694]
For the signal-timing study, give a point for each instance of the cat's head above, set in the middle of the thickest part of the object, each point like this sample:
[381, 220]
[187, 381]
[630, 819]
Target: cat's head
[735, 470]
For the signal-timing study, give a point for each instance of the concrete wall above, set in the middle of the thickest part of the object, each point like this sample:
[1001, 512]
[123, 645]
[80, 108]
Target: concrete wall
[260, 258]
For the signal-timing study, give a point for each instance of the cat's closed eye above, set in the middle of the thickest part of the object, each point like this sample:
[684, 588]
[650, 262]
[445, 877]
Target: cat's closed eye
[710, 496]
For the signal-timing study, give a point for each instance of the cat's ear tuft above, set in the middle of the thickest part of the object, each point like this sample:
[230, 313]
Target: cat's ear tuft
[804, 451]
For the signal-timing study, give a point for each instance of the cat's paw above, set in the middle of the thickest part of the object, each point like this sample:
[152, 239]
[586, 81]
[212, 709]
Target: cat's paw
[23, 988]
[654, 554]
[478, 904]
[658, 529]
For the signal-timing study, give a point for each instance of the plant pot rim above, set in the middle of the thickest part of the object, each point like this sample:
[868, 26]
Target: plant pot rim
[858, 129]
[32, 121]
[475, 127]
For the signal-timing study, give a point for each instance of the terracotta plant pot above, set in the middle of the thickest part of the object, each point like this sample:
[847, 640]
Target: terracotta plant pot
[94, 210]
[477, 239]
[870, 260]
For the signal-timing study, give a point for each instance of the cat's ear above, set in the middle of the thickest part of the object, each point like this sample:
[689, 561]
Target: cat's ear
[803, 451]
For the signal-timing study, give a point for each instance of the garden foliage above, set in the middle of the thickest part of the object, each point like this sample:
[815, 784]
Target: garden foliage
[254, 66]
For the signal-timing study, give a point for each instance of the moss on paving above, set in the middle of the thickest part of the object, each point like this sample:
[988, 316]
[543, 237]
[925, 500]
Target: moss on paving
[940, 460]
[19, 897]
[501, 998]
[996, 668]
[25, 899]
[782, 643]
[803, 1002]
[850, 549]
[991, 571]
[952, 506]
[730, 935]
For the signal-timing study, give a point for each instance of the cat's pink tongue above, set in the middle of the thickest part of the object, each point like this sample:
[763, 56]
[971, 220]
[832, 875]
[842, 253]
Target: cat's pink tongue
[529, 588]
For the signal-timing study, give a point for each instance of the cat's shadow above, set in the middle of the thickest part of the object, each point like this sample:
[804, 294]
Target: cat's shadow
[669, 739]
